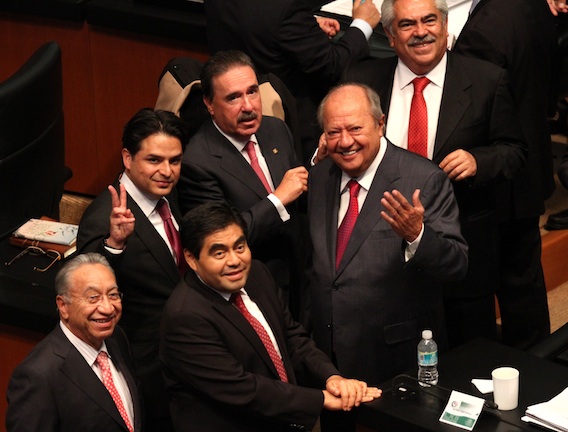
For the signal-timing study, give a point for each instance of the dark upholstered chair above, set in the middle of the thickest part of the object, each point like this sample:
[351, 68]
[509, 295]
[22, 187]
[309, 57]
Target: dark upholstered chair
[32, 155]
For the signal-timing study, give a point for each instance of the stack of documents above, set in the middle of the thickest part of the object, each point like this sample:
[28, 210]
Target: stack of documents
[552, 415]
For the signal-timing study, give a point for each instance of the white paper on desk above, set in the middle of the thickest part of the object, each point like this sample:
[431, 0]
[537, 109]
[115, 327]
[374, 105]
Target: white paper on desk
[553, 414]
[345, 7]
[483, 385]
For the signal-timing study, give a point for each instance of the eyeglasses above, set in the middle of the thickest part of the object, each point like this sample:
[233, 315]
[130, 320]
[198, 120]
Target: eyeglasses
[113, 297]
[36, 251]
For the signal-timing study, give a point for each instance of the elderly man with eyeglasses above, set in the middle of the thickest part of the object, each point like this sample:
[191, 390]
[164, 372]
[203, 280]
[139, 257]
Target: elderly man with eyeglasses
[80, 377]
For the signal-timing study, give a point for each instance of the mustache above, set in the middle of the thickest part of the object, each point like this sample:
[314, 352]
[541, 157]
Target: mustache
[416, 40]
[243, 117]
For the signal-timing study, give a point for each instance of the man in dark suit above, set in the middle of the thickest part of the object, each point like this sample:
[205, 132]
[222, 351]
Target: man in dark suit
[217, 167]
[284, 37]
[520, 36]
[229, 373]
[136, 242]
[60, 386]
[473, 136]
[385, 288]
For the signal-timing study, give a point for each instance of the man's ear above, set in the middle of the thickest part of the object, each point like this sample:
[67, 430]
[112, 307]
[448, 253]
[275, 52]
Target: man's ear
[209, 104]
[190, 259]
[390, 36]
[126, 158]
[62, 308]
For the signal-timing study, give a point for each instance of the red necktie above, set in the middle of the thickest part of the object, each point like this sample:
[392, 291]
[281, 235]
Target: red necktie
[172, 233]
[348, 222]
[255, 165]
[102, 363]
[418, 122]
[237, 300]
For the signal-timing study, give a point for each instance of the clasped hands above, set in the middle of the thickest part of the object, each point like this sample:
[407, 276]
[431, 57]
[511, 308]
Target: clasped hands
[344, 394]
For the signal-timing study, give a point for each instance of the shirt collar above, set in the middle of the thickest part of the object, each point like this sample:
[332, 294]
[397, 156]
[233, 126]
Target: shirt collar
[404, 75]
[366, 179]
[87, 351]
[239, 145]
[146, 204]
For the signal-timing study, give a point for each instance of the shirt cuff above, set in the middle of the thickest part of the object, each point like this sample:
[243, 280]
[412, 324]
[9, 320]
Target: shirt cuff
[364, 26]
[284, 215]
[410, 249]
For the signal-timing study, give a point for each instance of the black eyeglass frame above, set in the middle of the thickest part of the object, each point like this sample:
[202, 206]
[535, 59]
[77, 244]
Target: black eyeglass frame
[36, 251]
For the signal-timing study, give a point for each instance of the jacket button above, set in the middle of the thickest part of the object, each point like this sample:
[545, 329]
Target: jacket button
[335, 287]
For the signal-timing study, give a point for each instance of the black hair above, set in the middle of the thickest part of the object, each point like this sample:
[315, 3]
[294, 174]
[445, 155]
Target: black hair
[206, 219]
[147, 122]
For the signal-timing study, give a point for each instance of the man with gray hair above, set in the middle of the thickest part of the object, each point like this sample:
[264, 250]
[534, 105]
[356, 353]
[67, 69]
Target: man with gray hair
[80, 377]
[459, 113]
[385, 233]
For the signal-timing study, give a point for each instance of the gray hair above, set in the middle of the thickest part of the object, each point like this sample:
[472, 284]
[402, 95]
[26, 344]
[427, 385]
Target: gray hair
[63, 277]
[372, 97]
[387, 12]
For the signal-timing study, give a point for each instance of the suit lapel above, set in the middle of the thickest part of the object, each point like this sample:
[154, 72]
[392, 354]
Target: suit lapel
[153, 241]
[455, 102]
[384, 82]
[331, 197]
[232, 161]
[80, 373]
[272, 155]
[385, 179]
[234, 316]
[120, 364]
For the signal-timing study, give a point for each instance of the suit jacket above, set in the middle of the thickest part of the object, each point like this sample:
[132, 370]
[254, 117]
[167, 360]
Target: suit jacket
[477, 114]
[520, 36]
[282, 37]
[55, 390]
[213, 170]
[219, 375]
[147, 274]
[397, 299]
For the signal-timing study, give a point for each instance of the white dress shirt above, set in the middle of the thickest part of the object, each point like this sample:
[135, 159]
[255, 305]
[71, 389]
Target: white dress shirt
[90, 355]
[396, 129]
[148, 207]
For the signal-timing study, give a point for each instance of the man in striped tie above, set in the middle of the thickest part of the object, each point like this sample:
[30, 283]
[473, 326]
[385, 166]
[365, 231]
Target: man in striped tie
[80, 377]
[235, 360]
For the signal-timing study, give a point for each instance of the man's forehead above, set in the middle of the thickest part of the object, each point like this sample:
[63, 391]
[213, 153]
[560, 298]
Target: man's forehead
[238, 75]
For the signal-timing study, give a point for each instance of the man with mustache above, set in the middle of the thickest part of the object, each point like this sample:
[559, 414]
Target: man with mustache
[126, 224]
[247, 160]
[471, 132]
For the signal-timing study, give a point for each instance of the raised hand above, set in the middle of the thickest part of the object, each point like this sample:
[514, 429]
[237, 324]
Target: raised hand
[121, 219]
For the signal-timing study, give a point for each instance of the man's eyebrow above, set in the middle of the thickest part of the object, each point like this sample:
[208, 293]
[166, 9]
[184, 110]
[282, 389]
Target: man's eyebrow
[241, 239]
[217, 246]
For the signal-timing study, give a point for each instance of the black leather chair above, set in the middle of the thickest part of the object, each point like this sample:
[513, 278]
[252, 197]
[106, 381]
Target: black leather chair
[554, 347]
[32, 155]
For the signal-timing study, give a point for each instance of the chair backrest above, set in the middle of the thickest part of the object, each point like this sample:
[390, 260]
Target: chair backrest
[32, 151]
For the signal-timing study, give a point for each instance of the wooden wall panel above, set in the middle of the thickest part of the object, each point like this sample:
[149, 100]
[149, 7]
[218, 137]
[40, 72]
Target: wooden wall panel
[126, 68]
[107, 76]
[15, 344]
[20, 36]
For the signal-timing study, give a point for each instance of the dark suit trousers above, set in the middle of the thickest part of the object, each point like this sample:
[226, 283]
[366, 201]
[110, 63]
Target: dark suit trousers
[522, 291]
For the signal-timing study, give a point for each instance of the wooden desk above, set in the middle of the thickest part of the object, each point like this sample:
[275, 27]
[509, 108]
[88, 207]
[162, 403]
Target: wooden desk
[540, 380]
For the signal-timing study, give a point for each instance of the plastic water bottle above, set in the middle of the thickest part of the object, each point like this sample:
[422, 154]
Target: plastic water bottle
[427, 359]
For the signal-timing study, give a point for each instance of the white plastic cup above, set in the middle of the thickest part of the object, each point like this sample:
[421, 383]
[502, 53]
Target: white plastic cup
[506, 388]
